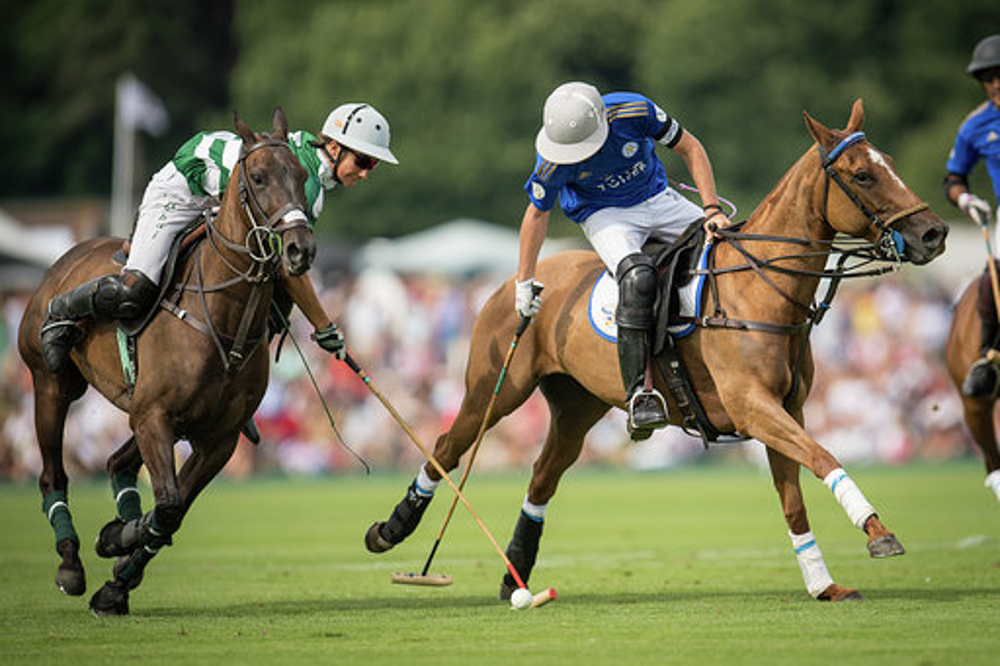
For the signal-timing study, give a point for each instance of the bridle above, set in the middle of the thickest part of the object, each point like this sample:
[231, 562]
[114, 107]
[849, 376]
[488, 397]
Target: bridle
[890, 243]
[262, 244]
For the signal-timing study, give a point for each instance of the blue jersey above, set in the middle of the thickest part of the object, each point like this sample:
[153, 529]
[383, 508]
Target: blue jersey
[624, 172]
[978, 138]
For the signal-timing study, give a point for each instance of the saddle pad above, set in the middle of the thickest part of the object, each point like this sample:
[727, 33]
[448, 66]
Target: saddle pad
[604, 301]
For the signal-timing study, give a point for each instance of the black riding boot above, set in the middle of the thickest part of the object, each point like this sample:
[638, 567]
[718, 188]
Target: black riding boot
[107, 297]
[647, 409]
[982, 378]
[637, 281]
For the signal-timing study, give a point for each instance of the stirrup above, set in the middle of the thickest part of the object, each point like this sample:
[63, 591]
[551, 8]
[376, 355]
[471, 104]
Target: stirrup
[653, 417]
[975, 384]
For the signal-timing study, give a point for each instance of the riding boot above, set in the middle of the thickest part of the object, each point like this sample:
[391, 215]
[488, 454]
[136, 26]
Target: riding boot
[124, 296]
[637, 281]
[982, 378]
[647, 410]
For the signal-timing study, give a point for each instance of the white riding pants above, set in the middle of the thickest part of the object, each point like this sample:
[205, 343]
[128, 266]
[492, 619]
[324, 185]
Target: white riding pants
[167, 207]
[616, 233]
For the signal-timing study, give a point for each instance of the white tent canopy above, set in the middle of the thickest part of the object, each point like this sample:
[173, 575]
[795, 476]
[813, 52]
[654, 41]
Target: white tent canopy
[460, 247]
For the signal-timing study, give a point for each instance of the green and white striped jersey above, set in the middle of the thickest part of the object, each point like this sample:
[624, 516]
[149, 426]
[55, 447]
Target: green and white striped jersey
[207, 159]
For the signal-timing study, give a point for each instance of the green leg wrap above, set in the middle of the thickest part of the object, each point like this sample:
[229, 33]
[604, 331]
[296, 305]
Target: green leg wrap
[127, 497]
[56, 508]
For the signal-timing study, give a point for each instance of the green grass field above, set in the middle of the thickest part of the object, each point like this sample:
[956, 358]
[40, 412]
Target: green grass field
[688, 566]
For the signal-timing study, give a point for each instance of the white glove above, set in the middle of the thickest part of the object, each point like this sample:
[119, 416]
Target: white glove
[976, 208]
[527, 299]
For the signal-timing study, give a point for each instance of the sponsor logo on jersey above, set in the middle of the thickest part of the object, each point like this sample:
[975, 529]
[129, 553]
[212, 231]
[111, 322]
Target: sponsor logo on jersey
[537, 191]
[992, 136]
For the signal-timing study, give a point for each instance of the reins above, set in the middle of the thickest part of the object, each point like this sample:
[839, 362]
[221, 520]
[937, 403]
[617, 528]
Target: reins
[262, 246]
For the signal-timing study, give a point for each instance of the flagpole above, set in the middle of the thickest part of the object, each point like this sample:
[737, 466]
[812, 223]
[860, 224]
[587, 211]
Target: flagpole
[123, 169]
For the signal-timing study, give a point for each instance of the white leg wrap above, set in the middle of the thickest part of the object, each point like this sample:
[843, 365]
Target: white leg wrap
[536, 511]
[425, 486]
[993, 482]
[850, 497]
[814, 573]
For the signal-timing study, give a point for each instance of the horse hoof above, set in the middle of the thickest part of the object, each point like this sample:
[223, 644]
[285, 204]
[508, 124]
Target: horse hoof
[885, 546]
[374, 541]
[71, 580]
[111, 600]
[109, 541]
[837, 593]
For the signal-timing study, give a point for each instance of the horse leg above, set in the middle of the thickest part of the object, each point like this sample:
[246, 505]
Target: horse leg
[140, 539]
[53, 395]
[450, 446]
[573, 412]
[757, 413]
[979, 418]
[819, 583]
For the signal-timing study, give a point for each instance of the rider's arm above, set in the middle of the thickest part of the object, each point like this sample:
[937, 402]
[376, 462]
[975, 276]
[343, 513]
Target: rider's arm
[700, 168]
[534, 226]
[300, 288]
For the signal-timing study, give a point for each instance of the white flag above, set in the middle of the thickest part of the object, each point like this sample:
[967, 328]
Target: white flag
[139, 107]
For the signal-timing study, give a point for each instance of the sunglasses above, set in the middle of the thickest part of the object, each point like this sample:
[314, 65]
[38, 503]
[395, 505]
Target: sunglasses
[364, 162]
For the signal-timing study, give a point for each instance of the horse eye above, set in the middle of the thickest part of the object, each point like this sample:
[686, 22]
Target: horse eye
[257, 179]
[863, 178]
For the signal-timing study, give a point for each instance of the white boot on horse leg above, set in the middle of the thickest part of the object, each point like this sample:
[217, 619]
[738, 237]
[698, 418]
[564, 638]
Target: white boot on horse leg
[860, 511]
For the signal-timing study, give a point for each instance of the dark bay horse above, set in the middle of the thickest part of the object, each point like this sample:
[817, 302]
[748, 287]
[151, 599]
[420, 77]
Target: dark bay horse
[751, 368]
[202, 366]
[962, 350]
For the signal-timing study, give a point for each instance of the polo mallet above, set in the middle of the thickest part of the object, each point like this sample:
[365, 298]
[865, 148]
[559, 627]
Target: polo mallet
[423, 578]
[991, 264]
[353, 365]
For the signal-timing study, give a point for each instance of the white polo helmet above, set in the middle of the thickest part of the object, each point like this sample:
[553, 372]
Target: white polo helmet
[574, 124]
[361, 128]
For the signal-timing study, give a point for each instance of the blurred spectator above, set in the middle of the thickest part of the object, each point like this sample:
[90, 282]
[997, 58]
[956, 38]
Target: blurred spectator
[880, 393]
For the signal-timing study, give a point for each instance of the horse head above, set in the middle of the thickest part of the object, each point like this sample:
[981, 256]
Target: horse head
[272, 192]
[870, 200]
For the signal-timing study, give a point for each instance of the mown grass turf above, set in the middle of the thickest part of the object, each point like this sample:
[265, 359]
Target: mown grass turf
[688, 566]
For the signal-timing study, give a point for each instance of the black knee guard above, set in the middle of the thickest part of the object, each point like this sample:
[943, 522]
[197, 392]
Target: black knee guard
[636, 275]
[124, 296]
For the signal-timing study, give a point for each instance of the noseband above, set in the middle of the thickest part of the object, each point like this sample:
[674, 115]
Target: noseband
[890, 243]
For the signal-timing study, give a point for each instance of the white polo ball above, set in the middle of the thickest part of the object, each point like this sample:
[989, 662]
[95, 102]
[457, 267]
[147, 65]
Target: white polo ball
[521, 598]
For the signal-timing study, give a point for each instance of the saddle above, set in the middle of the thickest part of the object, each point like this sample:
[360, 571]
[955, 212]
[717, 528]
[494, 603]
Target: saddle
[677, 266]
[128, 330]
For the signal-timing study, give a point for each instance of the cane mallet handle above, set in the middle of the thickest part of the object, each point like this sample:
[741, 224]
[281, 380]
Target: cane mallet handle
[991, 266]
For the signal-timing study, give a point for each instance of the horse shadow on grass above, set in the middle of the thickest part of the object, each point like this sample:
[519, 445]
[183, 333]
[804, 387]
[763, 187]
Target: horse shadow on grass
[780, 597]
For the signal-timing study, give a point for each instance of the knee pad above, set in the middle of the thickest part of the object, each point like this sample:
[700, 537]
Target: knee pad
[636, 291]
[123, 296]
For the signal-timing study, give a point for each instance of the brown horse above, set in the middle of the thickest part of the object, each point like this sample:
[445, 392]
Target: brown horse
[962, 350]
[749, 364]
[202, 366]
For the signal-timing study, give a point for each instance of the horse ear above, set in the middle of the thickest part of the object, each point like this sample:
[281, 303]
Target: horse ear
[819, 131]
[280, 125]
[857, 117]
[244, 130]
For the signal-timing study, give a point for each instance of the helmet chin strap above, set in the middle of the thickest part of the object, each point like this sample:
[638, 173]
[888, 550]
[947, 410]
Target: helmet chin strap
[333, 161]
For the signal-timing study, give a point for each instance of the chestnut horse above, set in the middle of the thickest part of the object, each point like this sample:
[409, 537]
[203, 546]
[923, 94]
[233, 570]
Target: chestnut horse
[962, 350]
[749, 364]
[202, 366]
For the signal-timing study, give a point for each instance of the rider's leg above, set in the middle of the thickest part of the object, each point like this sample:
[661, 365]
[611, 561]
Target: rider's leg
[982, 377]
[636, 276]
[123, 296]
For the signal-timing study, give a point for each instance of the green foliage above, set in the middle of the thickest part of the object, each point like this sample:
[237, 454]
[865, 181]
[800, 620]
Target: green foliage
[463, 83]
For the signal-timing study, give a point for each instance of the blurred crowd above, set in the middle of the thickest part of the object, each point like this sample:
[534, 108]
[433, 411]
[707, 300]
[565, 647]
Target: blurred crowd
[881, 393]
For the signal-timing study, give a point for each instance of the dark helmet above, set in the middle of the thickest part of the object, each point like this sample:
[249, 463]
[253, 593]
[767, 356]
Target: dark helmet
[985, 55]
